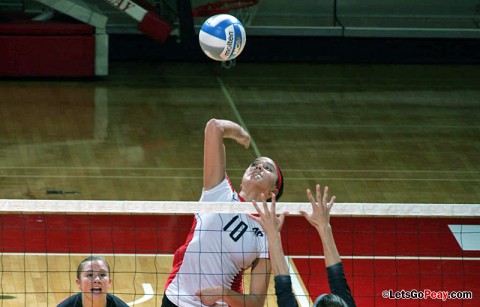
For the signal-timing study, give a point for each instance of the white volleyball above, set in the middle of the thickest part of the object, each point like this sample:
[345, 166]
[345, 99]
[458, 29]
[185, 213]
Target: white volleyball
[222, 37]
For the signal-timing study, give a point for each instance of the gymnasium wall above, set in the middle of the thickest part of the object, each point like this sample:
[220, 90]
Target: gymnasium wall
[329, 31]
[408, 8]
[340, 31]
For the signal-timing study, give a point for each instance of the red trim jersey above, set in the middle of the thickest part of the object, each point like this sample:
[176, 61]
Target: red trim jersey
[218, 249]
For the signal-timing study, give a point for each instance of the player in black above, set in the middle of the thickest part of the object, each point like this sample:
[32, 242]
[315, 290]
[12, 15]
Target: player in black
[320, 219]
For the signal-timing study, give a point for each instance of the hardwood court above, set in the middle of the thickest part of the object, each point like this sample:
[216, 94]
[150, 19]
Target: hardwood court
[373, 133]
[45, 280]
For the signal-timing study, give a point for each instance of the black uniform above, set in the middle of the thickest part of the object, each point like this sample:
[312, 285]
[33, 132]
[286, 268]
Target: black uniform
[336, 280]
[76, 301]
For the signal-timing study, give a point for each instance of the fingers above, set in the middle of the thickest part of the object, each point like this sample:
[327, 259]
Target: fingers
[244, 139]
[266, 212]
[332, 201]
[325, 195]
[321, 199]
[281, 219]
[247, 143]
[310, 196]
[318, 194]
[305, 214]
[268, 216]
[254, 203]
[274, 204]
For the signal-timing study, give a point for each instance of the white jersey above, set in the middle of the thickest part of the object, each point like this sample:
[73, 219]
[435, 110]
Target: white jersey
[218, 249]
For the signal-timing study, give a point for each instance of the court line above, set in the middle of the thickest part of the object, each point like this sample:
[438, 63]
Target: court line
[238, 169]
[149, 293]
[297, 286]
[303, 125]
[238, 115]
[102, 168]
[422, 258]
[85, 254]
[100, 176]
[199, 177]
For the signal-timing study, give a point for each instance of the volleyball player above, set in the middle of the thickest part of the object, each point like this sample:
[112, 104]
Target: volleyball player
[208, 268]
[93, 279]
[320, 219]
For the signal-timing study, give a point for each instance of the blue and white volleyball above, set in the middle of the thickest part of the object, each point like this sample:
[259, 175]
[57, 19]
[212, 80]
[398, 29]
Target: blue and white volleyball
[222, 37]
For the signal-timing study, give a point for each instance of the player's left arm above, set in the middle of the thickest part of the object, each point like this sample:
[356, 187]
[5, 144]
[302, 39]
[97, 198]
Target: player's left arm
[259, 281]
[258, 289]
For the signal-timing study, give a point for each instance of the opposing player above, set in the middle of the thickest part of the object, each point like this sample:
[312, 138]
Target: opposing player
[320, 219]
[93, 280]
[208, 268]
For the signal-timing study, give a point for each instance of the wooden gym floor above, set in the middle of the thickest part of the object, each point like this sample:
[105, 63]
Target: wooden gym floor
[373, 133]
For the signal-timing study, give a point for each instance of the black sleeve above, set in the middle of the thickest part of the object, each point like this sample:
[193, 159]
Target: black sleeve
[114, 301]
[283, 291]
[338, 283]
[72, 301]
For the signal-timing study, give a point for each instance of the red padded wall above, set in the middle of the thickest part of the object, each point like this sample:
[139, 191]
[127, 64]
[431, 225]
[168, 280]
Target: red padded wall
[51, 48]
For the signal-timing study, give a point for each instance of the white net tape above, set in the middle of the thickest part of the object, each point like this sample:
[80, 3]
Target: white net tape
[185, 207]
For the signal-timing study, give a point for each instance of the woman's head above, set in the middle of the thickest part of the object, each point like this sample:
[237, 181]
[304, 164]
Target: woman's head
[93, 278]
[263, 176]
[329, 300]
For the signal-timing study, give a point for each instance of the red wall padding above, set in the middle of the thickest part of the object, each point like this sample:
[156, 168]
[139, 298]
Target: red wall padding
[52, 48]
[45, 28]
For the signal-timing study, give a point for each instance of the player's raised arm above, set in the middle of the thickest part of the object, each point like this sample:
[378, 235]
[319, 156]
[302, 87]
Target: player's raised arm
[320, 219]
[272, 224]
[214, 157]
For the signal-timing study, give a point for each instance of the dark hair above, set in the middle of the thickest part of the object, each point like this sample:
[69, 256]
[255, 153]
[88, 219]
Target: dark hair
[91, 258]
[281, 179]
[329, 300]
[278, 183]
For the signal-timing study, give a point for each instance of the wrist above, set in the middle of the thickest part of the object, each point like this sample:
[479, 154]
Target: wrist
[274, 241]
[323, 229]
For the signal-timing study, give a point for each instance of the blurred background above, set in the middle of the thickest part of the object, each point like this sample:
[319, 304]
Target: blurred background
[335, 31]
[97, 103]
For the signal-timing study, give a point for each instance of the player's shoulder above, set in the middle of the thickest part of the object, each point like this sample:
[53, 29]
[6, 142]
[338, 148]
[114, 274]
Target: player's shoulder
[114, 301]
[72, 301]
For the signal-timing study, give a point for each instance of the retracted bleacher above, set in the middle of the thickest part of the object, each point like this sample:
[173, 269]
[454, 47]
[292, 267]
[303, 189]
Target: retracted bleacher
[61, 46]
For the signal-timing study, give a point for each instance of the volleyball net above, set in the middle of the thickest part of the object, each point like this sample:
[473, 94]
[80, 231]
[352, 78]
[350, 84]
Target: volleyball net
[393, 254]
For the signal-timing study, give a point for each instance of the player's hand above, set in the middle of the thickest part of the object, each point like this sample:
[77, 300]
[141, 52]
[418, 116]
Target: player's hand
[232, 130]
[209, 296]
[321, 206]
[242, 138]
[268, 218]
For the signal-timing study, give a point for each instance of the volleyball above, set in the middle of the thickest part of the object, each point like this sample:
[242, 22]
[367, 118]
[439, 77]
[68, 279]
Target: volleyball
[222, 37]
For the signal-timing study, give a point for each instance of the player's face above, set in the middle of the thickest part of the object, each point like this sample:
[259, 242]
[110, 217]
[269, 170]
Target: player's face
[263, 174]
[94, 281]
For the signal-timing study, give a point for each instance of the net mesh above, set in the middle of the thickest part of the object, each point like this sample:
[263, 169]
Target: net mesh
[388, 250]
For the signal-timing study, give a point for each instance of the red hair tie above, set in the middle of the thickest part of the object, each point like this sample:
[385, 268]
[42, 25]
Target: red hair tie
[280, 178]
